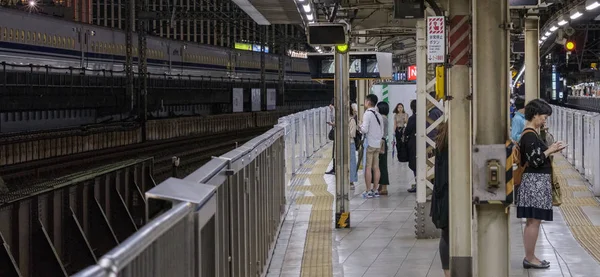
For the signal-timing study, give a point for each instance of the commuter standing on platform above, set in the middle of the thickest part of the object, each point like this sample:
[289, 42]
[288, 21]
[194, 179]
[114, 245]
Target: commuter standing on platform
[534, 197]
[372, 128]
[411, 134]
[440, 196]
[332, 124]
[384, 110]
[518, 121]
[352, 126]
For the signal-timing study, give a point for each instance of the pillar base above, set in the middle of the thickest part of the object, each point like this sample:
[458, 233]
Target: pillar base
[424, 228]
[342, 220]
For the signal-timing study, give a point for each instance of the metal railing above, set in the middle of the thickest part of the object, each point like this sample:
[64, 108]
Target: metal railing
[581, 131]
[225, 216]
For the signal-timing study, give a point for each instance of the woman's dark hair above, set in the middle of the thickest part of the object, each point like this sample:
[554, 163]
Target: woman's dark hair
[441, 140]
[519, 103]
[396, 108]
[383, 107]
[413, 106]
[537, 107]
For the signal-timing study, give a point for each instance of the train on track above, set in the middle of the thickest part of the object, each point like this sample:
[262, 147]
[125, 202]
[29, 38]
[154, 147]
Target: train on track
[30, 39]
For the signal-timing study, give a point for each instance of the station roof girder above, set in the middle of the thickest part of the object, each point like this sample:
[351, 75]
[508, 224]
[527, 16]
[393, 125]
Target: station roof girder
[267, 12]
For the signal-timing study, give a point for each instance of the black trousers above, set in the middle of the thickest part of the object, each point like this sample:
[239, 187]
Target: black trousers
[445, 249]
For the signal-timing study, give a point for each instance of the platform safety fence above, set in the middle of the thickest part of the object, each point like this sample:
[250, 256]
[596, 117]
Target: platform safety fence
[580, 130]
[224, 218]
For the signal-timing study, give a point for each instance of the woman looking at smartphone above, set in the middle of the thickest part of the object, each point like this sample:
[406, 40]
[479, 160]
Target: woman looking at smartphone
[534, 197]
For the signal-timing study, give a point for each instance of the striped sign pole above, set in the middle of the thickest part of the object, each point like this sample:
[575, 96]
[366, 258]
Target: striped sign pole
[385, 92]
[460, 40]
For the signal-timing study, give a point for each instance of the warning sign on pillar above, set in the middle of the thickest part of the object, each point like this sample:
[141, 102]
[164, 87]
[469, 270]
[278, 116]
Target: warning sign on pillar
[459, 40]
[436, 39]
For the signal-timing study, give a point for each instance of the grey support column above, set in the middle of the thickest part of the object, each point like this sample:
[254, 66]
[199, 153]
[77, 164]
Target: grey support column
[342, 140]
[532, 58]
[460, 138]
[491, 88]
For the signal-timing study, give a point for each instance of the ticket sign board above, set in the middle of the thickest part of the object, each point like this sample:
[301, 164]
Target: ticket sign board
[271, 99]
[238, 100]
[255, 99]
[411, 73]
[436, 39]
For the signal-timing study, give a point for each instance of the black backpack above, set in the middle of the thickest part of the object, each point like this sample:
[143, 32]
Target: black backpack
[357, 136]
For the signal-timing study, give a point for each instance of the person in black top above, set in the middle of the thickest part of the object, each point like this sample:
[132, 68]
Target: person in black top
[411, 133]
[534, 197]
[440, 196]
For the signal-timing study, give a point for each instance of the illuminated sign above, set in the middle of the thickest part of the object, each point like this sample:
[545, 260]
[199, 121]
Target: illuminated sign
[243, 46]
[411, 73]
[249, 47]
[297, 54]
[570, 45]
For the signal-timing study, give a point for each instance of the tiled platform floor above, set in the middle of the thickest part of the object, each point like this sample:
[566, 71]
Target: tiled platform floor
[382, 242]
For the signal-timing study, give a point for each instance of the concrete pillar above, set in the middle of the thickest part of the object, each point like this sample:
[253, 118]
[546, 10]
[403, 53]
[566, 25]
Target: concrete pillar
[490, 86]
[460, 134]
[342, 140]
[421, 110]
[532, 59]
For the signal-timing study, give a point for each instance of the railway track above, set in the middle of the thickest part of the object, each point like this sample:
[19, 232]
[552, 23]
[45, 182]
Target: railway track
[191, 150]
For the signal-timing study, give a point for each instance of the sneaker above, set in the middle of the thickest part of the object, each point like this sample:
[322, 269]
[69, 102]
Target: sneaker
[367, 194]
[375, 193]
[412, 189]
[352, 186]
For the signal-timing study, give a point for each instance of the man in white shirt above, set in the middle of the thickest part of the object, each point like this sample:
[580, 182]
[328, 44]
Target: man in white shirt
[372, 128]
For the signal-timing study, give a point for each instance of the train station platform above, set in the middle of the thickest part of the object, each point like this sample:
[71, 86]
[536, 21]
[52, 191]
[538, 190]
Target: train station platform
[382, 241]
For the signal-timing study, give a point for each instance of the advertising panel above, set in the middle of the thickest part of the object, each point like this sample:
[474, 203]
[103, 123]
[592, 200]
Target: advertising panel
[255, 99]
[411, 74]
[271, 99]
[237, 100]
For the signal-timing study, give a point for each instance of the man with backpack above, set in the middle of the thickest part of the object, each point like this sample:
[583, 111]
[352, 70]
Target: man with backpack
[372, 128]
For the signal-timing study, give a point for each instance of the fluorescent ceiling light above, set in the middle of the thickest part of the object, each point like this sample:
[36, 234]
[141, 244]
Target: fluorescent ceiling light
[547, 34]
[553, 28]
[540, 41]
[591, 4]
[309, 16]
[576, 15]
[544, 38]
[562, 22]
[249, 9]
[306, 8]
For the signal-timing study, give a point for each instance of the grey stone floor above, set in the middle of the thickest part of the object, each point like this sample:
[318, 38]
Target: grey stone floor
[382, 242]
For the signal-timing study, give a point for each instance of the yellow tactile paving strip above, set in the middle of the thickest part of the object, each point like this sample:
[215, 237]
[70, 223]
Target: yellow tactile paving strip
[580, 225]
[317, 260]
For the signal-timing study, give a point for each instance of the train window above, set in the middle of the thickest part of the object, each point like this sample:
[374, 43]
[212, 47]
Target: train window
[64, 42]
[22, 35]
[54, 40]
[28, 35]
[39, 38]
[44, 39]
[3, 34]
[10, 34]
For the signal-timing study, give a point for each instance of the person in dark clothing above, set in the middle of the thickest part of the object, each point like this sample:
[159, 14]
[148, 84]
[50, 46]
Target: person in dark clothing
[411, 132]
[433, 115]
[534, 197]
[440, 196]
[332, 124]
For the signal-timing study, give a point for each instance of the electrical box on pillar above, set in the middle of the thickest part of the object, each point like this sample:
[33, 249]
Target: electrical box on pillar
[489, 178]
[439, 82]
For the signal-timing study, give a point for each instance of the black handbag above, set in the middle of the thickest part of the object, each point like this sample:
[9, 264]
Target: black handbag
[402, 145]
[331, 134]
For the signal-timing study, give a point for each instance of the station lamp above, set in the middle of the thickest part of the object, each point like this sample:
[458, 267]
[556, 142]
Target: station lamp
[570, 45]
[342, 48]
